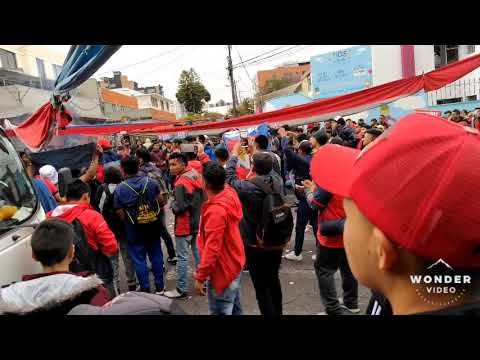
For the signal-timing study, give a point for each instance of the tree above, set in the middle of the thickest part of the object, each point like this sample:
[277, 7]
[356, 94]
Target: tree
[191, 92]
[246, 107]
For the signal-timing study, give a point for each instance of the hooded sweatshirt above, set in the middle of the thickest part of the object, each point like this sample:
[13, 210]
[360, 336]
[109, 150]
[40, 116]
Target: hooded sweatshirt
[52, 293]
[198, 164]
[221, 247]
[187, 202]
[98, 234]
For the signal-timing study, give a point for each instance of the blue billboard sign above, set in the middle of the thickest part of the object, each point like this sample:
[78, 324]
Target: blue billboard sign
[341, 72]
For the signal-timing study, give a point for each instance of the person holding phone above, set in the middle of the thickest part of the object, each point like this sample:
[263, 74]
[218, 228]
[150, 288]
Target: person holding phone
[299, 163]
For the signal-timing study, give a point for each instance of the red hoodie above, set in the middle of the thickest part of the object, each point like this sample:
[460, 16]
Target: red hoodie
[221, 248]
[187, 202]
[99, 235]
[198, 164]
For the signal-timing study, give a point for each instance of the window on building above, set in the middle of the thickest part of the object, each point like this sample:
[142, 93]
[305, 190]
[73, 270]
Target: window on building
[471, 98]
[154, 102]
[449, 101]
[8, 59]
[445, 54]
[163, 108]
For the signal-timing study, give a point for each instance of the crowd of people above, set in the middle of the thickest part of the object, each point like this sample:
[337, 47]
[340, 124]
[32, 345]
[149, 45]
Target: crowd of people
[234, 218]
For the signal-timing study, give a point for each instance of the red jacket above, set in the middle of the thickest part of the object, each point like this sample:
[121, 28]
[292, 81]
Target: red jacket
[99, 235]
[330, 209]
[187, 202]
[198, 164]
[221, 248]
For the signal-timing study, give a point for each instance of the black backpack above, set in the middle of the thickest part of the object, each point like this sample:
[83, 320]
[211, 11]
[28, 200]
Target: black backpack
[86, 259]
[277, 220]
[144, 217]
[108, 211]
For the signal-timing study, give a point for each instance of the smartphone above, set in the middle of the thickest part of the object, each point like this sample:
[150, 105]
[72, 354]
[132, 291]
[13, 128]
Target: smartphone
[188, 148]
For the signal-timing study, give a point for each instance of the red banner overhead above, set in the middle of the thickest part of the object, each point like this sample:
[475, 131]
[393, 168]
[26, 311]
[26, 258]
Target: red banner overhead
[318, 110]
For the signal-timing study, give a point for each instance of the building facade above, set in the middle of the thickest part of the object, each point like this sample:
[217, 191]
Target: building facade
[293, 72]
[358, 68]
[30, 65]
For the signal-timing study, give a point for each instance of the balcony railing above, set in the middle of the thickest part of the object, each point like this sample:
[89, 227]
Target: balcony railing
[11, 77]
[460, 91]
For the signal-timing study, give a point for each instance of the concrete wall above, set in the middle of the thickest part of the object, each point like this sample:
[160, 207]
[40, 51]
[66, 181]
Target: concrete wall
[26, 56]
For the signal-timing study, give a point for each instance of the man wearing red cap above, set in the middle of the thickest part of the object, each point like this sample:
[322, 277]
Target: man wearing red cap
[410, 234]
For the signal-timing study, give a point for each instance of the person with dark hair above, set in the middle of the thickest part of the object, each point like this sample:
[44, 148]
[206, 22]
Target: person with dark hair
[346, 133]
[222, 155]
[299, 163]
[373, 123]
[148, 168]
[186, 206]
[208, 149]
[370, 136]
[301, 137]
[54, 291]
[220, 244]
[446, 114]
[98, 235]
[135, 199]
[263, 262]
[158, 157]
[337, 140]
[318, 139]
[261, 145]
[404, 244]
[105, 203]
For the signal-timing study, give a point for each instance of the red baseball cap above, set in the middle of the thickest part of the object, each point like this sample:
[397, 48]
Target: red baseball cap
[419, 182]
[105, 144]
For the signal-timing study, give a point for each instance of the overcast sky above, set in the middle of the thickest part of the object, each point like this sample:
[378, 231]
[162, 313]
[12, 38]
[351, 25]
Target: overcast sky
[162, 64]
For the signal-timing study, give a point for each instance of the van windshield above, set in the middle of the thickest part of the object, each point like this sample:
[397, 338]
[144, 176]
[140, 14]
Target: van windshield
[17, 197]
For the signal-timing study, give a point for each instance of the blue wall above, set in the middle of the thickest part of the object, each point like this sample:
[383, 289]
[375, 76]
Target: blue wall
[286, 101]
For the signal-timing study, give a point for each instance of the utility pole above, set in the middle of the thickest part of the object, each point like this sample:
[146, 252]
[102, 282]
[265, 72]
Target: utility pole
[232, 82]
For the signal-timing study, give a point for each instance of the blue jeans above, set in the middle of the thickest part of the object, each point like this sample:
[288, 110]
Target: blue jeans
[138, 254]
[182, 244]
[228, 302]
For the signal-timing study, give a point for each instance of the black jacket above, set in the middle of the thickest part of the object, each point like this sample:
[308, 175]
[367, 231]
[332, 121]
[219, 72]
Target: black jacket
[347, 134]
[251, 198]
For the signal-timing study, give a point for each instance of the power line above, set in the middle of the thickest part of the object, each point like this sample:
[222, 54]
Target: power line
[270, 56]
[165, 65]
[246, 71]
[255, 57]
[145, 60]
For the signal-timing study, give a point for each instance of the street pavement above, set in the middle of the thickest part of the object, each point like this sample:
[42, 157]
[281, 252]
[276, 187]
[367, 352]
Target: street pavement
[299, 283]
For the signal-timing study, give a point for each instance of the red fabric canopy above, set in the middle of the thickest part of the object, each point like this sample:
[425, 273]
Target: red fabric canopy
[312, 112]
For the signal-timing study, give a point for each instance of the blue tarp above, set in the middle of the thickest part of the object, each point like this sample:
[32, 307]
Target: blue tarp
[81, 63]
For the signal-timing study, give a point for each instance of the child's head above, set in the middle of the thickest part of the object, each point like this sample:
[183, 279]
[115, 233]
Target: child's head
[52, 243]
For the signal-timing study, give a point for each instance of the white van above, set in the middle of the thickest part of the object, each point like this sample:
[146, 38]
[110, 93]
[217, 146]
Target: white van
[16, 190]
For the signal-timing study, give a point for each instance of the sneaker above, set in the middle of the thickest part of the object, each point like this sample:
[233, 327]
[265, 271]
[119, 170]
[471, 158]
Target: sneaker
[172, 260]
[145, 290]
[291, 256]
[354, 310]
[175, 294]
[314, 257]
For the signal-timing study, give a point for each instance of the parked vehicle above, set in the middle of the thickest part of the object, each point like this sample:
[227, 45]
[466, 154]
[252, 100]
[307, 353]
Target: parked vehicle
[20, 211]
